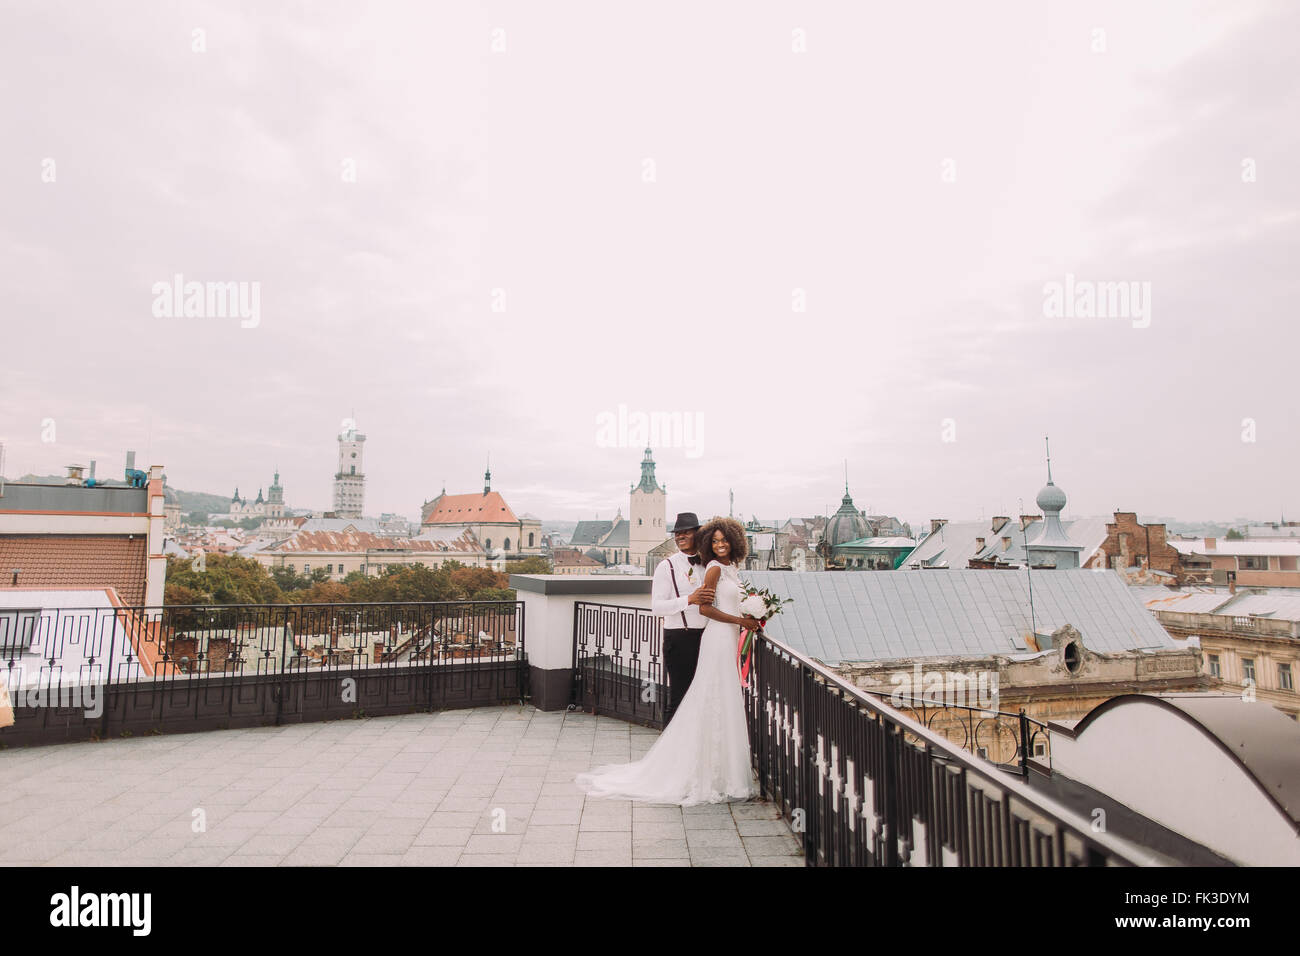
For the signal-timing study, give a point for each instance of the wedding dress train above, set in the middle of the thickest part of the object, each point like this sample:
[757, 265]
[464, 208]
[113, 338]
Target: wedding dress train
[703, 754]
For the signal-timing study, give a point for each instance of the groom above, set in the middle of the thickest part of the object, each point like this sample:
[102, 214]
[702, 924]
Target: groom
[676, 596]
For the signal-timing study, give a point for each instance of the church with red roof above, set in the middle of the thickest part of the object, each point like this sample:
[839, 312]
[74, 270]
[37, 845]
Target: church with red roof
[502, 533]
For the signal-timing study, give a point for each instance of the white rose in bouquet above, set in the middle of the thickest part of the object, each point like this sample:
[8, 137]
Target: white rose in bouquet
[753, 606]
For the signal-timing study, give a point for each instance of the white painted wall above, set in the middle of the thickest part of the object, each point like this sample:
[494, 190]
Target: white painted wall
[53, 522]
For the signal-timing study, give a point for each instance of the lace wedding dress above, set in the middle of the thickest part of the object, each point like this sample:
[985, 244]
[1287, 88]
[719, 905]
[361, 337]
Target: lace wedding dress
[703, 754]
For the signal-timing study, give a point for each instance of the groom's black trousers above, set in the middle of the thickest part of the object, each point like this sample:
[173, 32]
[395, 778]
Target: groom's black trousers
[681, 654]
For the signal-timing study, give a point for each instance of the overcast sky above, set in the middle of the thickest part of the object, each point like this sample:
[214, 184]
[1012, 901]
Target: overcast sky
[642, 189]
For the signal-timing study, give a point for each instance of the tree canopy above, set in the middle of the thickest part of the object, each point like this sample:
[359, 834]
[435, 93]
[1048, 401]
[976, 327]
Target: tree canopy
[232, 579]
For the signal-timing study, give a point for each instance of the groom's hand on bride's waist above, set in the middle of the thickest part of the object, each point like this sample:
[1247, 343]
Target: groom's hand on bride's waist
[702, 595]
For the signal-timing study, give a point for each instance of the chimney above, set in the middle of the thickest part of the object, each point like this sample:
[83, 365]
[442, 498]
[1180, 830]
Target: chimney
[979, 544]
[937, 523]
[998, 522]
[92, 469]
[16, 572]
[1006, 542]
[130, 460]
[1211, 544]
[1027, 520]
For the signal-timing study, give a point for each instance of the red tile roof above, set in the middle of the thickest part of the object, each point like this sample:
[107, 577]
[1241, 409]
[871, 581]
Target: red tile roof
[470, 509]
[356, 542]
[145, 632]
[572, 557]
[76, 561]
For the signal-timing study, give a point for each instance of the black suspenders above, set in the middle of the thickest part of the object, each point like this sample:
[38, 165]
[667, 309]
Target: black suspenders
[673, 572]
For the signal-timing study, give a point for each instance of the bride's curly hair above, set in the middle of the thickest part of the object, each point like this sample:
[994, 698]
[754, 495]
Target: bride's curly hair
[732, 530]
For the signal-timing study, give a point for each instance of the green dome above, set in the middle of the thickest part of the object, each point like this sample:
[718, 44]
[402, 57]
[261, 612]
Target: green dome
[846, 524]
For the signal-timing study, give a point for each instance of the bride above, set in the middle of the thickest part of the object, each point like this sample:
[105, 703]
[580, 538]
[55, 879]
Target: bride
[703, 754]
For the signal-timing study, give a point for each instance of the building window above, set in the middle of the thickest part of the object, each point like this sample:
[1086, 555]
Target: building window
[306, 568]
[329, 569]
[487, 544]
[530, 539]
[1248, 669]
[1214, 666]
[507, 544]
[1254, 563]
[1284, 677]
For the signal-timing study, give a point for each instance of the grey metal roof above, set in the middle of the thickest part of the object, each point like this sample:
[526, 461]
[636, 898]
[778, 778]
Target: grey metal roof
[1278, 606]
[618, 536]
[589, 532]
[954, 544]
[842, 617]
[879, 543]
[1263, 739]
[113, 500]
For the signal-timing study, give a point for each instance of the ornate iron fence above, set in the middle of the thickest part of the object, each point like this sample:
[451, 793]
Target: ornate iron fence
[618, 662]
[994, 735]
[91, 673]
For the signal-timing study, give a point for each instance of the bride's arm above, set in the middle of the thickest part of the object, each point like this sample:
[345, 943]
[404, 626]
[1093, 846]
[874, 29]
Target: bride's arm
[713, 614]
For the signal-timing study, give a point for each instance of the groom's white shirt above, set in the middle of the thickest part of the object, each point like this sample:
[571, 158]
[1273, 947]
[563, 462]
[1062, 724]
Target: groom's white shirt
[671, 603]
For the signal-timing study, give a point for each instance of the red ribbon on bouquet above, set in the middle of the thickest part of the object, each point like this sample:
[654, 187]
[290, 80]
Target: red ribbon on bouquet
[745, 654]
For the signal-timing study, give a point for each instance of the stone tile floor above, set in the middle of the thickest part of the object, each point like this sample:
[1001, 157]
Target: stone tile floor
[491, 786]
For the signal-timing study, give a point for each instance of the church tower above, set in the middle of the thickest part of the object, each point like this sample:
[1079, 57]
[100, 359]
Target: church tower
[350, 479]
[1053, 547]
[275, 499]
[647, 521]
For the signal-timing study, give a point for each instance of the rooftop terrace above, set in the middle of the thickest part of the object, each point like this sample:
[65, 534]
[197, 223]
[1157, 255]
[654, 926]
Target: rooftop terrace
[488, 786]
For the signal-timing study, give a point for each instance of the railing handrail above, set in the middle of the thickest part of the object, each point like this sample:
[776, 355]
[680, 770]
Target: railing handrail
[939, 705]
[1036, 799]
[137, 608]
[619, 607]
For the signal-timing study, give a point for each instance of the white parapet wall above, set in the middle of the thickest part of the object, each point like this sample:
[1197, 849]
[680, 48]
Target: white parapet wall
[549, 601]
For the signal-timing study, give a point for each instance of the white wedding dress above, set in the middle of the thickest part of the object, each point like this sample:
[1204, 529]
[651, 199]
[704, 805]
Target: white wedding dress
[703, 754]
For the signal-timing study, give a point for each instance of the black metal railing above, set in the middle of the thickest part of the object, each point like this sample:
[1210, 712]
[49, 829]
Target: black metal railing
[618, 662]
[862, 784]
[998, 736]
[92, 673]
[859, 782]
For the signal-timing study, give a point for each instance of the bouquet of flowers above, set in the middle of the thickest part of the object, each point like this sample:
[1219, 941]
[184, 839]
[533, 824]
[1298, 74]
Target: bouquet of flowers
[758, 603]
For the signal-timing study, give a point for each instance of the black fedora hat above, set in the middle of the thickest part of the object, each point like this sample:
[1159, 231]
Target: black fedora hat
[686, 521]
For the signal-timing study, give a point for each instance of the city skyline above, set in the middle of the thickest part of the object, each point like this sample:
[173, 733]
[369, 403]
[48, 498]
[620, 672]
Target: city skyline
[888, 251]
[1020, 504]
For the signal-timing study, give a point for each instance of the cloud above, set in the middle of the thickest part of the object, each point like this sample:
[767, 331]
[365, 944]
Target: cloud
[519, 178]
